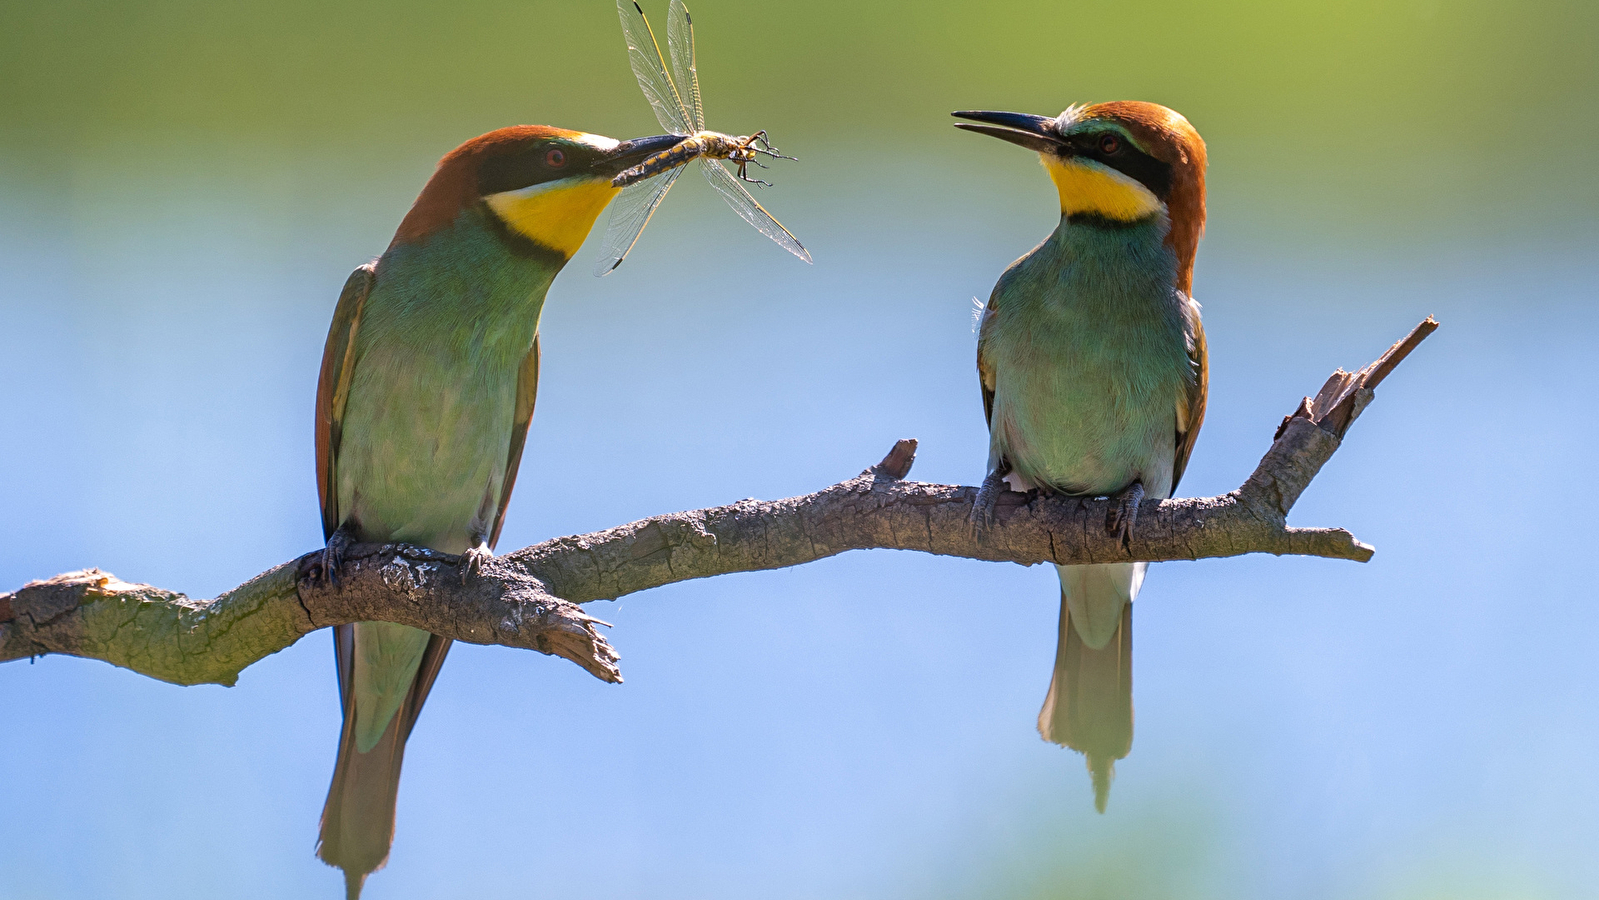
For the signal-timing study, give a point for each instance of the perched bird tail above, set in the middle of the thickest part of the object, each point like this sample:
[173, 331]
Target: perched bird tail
[1089, 707]
[358, 818]
[352, 883]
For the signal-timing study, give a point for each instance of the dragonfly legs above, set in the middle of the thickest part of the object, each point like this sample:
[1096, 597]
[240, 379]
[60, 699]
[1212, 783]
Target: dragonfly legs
[744, 177]
[762, 145]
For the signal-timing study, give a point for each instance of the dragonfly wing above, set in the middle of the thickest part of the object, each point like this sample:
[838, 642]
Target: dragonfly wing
[680, 40]
[650, 69]
[630, 212]
[749, 210]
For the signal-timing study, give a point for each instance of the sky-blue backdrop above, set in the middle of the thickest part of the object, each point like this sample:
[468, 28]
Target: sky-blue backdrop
[179, 207]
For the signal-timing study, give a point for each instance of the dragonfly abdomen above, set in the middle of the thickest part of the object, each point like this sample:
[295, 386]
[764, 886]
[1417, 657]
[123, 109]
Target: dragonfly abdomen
[709, 144]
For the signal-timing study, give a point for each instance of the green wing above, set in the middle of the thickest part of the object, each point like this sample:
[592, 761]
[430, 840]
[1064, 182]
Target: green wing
[333, 390]
[1191, 405]
[527, 390]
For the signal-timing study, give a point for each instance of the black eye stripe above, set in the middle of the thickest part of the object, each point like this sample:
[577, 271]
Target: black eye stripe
[1128, 160]
[527, 166]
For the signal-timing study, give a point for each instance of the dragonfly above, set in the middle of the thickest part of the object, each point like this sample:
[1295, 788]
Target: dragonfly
[677, 106]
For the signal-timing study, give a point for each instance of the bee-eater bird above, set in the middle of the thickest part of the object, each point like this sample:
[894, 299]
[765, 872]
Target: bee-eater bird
[1093, 370]
[427, 388]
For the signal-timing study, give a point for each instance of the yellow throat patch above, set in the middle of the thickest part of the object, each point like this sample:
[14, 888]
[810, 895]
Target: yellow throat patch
[556, 214]
[1088, 189]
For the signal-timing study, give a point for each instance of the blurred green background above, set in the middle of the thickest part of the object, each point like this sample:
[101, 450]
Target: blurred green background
[184, 187]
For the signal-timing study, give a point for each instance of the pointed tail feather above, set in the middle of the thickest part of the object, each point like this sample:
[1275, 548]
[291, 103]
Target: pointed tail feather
[1089, 707]
[358, 818]
[352, 884]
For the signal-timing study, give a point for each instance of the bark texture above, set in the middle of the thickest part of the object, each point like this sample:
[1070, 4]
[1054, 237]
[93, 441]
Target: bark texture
[531, 598]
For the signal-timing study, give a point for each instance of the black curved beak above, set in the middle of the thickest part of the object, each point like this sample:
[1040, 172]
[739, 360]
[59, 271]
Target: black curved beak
[628, 154]
[1033, 132]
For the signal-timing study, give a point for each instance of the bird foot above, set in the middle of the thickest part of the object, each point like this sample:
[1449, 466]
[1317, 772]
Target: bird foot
[1124, 512]
[982, 515]
[472, 560]
[339, 543]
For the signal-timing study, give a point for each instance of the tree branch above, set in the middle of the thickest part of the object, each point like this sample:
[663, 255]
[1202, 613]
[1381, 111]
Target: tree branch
[530, 598]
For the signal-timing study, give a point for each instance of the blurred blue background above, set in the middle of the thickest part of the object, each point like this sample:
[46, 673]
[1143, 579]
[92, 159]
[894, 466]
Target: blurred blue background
[184, 187]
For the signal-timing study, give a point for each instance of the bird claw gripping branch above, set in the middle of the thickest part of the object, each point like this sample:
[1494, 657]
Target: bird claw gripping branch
[982, 515]
[338, 547]
[1123, 512]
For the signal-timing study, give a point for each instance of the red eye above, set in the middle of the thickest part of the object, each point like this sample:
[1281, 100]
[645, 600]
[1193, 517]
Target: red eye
[1109, 143]
[555, 159]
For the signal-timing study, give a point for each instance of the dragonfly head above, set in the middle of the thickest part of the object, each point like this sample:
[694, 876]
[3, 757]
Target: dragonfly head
[545, 186]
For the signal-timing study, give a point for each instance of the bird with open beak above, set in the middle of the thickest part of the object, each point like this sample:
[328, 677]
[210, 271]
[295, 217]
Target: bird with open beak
[1092, 364]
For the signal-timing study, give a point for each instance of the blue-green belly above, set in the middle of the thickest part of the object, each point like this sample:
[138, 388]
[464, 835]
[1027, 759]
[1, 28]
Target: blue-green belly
[1090, 348]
